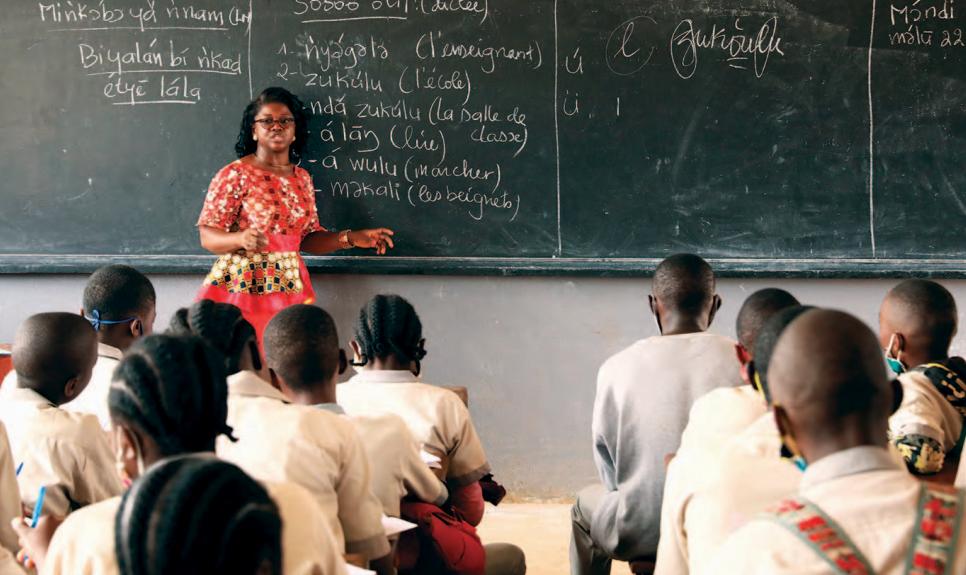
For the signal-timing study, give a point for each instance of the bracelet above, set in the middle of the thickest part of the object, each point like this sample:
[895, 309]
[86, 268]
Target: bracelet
[344, 240]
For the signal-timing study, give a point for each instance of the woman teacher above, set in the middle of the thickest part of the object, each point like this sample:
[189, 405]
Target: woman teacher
[260, 212]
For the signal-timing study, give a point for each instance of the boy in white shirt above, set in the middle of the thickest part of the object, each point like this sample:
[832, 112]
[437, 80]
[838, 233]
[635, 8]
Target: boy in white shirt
[917, 323]
[857, 509]
[68, 453]
[644, 394]
[119, 301]
[718, 419]
[302, 350]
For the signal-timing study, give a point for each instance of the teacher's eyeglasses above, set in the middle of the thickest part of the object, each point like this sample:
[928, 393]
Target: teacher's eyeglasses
[267, 123]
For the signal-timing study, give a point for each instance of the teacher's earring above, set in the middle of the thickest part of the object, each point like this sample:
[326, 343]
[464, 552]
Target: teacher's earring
[255, 137]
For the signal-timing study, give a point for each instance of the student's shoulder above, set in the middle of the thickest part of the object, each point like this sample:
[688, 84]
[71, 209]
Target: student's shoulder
[291, 498]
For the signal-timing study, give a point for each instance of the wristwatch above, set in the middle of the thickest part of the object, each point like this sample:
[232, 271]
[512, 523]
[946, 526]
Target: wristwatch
[344, 241]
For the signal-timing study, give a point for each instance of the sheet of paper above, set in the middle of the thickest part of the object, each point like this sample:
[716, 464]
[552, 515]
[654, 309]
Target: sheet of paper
[353, 570]
[431, 460]
[395, 525]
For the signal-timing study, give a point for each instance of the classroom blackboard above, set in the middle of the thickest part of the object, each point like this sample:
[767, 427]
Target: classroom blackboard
[774, 137]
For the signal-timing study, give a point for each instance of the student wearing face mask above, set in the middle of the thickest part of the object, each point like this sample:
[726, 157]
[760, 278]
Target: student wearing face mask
[917, 323]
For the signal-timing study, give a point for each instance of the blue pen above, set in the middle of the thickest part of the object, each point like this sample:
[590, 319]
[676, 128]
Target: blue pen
[19, 468]
[38, 507]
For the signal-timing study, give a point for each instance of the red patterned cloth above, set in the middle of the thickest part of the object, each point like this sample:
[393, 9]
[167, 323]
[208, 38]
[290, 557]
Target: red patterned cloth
[242, 196]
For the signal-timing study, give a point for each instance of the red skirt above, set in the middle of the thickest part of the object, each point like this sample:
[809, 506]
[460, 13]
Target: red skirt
[261, 284]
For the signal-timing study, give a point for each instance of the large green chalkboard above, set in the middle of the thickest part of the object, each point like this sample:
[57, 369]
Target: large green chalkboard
[774, 137]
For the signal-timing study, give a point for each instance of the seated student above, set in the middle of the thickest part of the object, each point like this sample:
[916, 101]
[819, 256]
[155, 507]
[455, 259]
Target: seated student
[917, 323]
[857, 510]
[747, 475]
[54, 354]
[388, 348]
[302, 350]
[169, 399]
[281, 442]
[119, 301]
[716, 419]
[198, 516]
[644, 394]
[10, 508]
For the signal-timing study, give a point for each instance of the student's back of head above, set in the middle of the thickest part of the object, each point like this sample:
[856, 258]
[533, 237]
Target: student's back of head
[302, 348]
[168, 397]
[222, 326]
[829, 385]
[54, 354]
[765, 345]
[757, 309]
[389, 335]
[197, 515]
[917, 322]
[683, 294]
[119, 301]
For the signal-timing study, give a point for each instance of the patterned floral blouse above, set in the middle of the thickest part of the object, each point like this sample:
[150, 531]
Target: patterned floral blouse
[242, 195]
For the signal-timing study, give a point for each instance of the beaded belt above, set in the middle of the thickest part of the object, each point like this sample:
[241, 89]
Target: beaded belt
[259, 273]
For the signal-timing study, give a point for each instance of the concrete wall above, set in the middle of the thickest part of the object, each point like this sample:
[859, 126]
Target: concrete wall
[527, 348]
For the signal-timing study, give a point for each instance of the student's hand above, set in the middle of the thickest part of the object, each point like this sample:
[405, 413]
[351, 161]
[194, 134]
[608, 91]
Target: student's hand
[252, 240]
[34, 542]
[379, 239]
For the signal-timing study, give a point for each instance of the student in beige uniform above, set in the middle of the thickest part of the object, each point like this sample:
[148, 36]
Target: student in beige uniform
[281, 442]
[644, 394]
[170, 399]
[119, 301]
[54, 354]
[857, 509]
[917, 323]
[198, 516]
[388, 348]
[302, 350]
[747, 475]
[9, 508]
[716, 420]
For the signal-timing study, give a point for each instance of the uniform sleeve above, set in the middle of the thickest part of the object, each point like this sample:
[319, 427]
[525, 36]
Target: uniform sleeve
[9, 494]
[95, 478]
[418, 479]
[917, 428]
[467, 459]
[672, 549]
[83, 545]
[223, 200]
[360, 512]
[8, 564]
[308, 544]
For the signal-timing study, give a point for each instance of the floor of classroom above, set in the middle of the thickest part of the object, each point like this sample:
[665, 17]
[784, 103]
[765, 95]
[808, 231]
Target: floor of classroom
[542, 530]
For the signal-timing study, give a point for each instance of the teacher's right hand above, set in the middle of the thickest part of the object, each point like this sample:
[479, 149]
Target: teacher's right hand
[252, 240]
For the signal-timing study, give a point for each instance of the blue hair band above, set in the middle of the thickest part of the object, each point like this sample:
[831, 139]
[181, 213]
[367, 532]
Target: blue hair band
[97, 322]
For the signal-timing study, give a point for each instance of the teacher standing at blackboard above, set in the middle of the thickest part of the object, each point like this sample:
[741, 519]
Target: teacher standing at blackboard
[260, 213]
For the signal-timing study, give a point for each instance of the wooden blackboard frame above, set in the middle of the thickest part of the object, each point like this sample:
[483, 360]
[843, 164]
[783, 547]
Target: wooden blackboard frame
[593, 267]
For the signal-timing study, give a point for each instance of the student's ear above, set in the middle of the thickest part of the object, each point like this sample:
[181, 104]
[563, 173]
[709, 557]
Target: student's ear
[137, 328]
[421, 346]
[897, 395]
[743, 355]
[125, 451]
[343, 361]
[652, 303]
[73, 387]
[715, 306]
[900, 344]
[274, 379]
[356, 352]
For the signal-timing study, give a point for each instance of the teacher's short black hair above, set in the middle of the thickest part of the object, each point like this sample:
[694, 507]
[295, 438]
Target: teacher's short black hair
[274, 95]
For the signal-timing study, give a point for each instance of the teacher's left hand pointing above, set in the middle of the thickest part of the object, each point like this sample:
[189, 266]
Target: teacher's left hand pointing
[379, 239]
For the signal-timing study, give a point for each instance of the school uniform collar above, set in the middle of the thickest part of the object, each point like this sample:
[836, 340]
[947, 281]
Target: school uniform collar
[384, 376]
[29, 396]
[109, 351]
[848, 462]
[331, 407]
[247, 384]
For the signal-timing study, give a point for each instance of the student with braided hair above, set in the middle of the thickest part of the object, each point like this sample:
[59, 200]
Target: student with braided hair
[169, 399]
[280, 442]
[197, 516]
